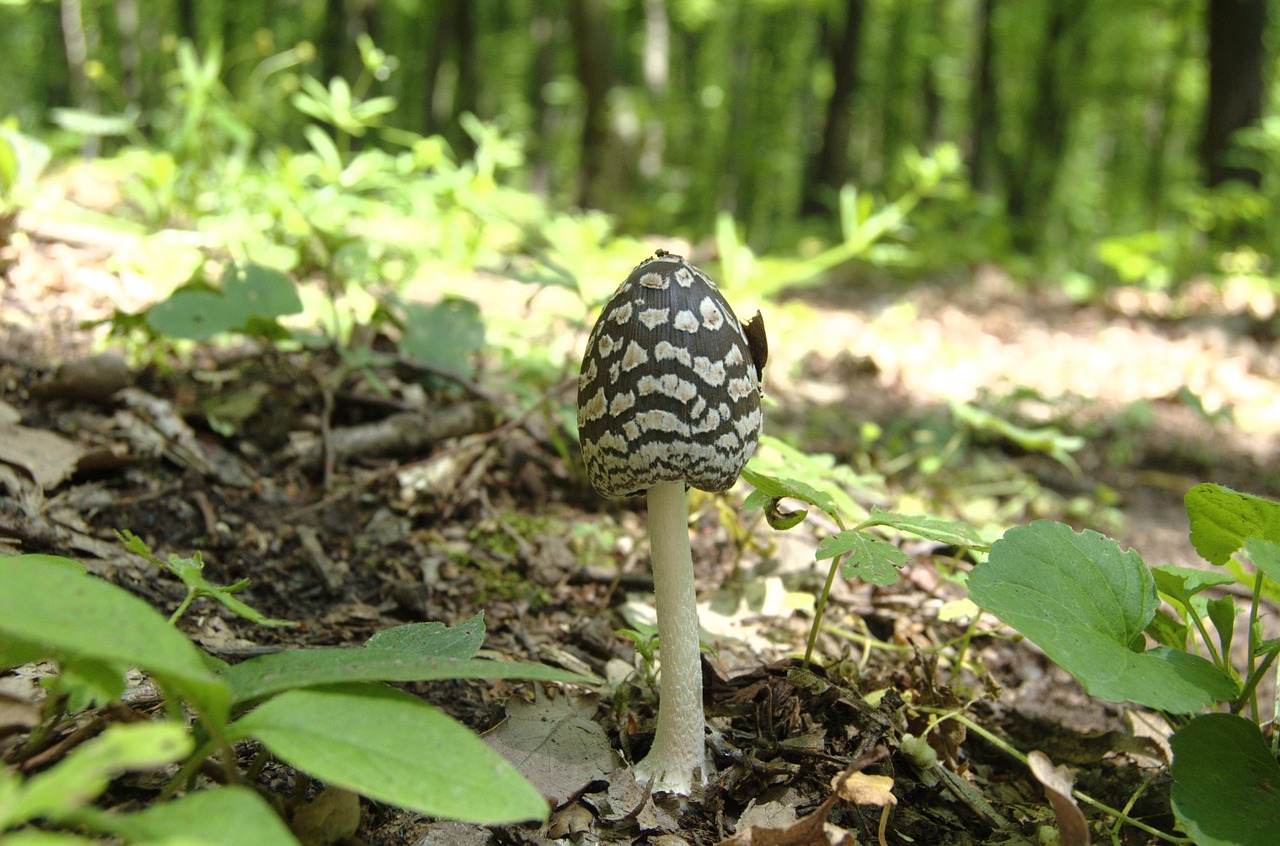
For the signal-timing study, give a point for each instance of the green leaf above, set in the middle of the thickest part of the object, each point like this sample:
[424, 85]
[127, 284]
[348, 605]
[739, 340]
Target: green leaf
[1223, 519]
[1182, 583]
[79, 778]
[224, 816]
[950, 532]
[1226, 783]
[62, 613]
[444, 335]
[247, 296]
[779, 488]
[265, 675]
[392, 747]
[870, 559]
[191, 572]
[1084, 602]
[434, 639]
[1222, 613]
[1265, 555]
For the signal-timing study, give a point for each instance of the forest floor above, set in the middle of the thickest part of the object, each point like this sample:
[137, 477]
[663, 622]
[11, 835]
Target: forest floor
[489, 516]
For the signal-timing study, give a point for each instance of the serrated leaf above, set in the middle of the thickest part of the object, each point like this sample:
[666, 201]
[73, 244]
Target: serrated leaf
[266, 675]
[1226, 783]
[1223, 519]
[434, 639]
[63, 613]
[870, 559]
[393, 748]
[937, 529]
[224, 816]
[1084, 602]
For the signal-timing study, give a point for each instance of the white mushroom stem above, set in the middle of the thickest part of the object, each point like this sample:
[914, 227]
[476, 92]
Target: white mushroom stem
[677, 756]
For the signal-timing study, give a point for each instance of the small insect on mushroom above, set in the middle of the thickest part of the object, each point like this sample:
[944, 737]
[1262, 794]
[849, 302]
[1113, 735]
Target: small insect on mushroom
[669, 395]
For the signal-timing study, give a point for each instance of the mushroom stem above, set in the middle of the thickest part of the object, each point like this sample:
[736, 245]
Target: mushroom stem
[677, 756]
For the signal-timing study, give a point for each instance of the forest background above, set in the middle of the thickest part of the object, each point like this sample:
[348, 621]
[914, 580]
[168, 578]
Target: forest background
[1080, 143]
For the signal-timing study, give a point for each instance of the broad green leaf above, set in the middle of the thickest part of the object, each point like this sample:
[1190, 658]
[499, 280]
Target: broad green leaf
[1168, 631]
[1182, 583]
[30, 837]
[434, 639]
[1226, 783]
[1265, 555]
[950, 532]
[246, 296]
[65, 614]
[265, 675]
[224, 816]
[444, 335]
[78, 779]
[1223, 519]
[1084, 602]
[394, 748]
[870, 559]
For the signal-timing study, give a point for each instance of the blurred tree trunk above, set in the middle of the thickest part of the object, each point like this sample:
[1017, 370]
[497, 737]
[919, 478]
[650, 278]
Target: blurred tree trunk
[657, 75]
[1236, 56]
[127, 23]
[932, 91]
[983, 104]
[589, 22]
[829, 169]
[451, 84]
[187, 20]
[76, 44]
[1030, 180]
[542, 69]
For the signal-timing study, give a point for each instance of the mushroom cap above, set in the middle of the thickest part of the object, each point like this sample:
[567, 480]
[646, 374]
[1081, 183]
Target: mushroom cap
[669, 389]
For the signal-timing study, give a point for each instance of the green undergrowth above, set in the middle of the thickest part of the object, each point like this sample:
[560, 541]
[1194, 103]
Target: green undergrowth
[1156, 637]
[329, 713]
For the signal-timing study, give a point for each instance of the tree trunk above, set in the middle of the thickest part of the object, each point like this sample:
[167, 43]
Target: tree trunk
[829, 169]
[983, 104]
[657, 71]
[1236, 56]
[127, 23]
[76, 43]
[588, 19]
[1030, 182]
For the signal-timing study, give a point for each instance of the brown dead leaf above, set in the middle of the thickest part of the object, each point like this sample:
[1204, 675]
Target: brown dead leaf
[863, 789]
[813, 830]
[47, 456]
[1057, 783]
[556, 742]
[331, 817]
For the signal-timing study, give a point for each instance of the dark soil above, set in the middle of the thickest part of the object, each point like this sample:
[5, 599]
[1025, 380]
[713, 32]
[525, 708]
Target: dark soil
[490, 516]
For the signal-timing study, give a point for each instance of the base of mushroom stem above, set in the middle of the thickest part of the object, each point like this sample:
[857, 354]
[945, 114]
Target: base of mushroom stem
[677, 777]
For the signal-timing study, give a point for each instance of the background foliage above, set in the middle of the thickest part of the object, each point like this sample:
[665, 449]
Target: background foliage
[1098, 138]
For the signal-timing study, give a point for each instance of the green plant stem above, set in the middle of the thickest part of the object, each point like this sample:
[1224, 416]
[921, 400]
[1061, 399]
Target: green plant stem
[1204, 633]
[1000, 743]
[818, 609]
[1251, 686]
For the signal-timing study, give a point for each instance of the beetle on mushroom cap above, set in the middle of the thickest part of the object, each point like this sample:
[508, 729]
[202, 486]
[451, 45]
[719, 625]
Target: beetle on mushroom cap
[670, 383]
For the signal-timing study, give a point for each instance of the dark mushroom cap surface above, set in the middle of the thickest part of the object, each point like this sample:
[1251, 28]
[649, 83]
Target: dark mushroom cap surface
[669, 390]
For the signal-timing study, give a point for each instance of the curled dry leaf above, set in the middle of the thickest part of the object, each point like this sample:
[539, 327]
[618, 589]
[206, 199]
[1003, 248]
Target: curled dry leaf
[1072, 827]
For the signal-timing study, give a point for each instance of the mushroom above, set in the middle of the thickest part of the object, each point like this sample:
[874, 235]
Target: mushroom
[669, 395]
